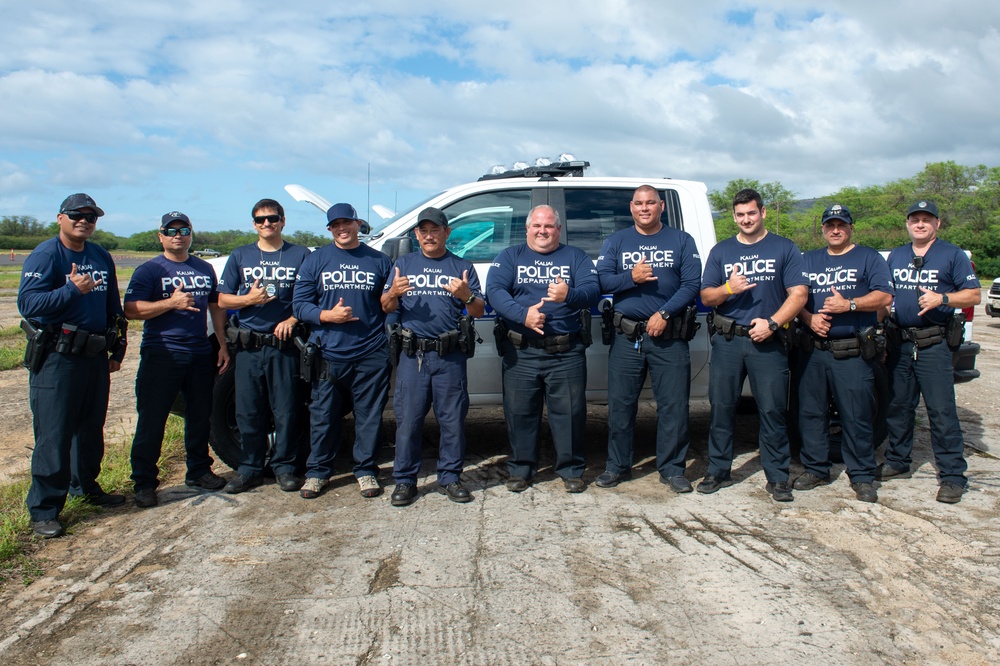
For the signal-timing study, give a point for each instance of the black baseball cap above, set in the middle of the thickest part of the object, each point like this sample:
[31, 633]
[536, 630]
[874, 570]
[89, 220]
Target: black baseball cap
[174, 216]
[837, 212]
[432, 214]
[925, 206]
[79, 201]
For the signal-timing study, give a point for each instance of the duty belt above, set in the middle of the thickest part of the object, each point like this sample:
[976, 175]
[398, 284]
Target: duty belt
[923, 337]
[68, 339]
[841, 347]
[553, 344]
[244, 338]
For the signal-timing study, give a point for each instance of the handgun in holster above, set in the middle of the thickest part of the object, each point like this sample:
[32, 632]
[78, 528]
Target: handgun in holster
[586, 323]
[607, 323]
[499, 334]
[395, 344]
[117, 337]
[468, 337]
[35, 352]
[867, 343]
[955, 331]
[307, 358]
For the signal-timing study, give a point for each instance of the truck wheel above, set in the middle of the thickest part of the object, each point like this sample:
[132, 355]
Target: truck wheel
[225, 436]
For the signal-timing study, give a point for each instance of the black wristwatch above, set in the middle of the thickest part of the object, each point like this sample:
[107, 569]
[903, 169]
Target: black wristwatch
[773, 325]
[470, 299]
[944, 299]
[664, 314]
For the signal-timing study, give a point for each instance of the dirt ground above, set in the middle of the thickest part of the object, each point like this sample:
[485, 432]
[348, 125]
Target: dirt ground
[632, 575]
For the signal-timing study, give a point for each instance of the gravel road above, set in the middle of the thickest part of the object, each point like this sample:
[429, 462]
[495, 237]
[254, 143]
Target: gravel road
[633, 574]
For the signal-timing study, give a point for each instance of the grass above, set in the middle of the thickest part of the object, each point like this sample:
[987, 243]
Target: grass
[17, 543]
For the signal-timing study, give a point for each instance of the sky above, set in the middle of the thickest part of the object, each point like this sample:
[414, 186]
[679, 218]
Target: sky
[206, 107]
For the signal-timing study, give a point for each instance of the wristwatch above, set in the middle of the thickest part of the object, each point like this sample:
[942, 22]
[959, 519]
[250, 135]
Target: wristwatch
[471, 298]
[664, 314]
[854, 306]
[771, 324]
[944, 299]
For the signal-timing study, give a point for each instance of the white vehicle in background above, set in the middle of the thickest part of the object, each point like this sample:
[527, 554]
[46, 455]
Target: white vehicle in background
[993, 300]
[489, 215]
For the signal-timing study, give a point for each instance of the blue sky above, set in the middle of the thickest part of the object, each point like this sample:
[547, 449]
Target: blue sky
[207, 107]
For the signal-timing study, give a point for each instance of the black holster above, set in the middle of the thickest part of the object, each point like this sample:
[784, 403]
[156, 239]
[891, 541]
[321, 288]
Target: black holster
[468, 338]
[308, 356]
[499, 334]
[607, 323]
[586, 323]
[395, 344]
[868, 343]
[38, 345]
[955, 331]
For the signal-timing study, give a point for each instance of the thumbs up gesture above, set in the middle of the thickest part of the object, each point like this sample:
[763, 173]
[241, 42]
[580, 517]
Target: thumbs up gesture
[558, 291]
[400, 285]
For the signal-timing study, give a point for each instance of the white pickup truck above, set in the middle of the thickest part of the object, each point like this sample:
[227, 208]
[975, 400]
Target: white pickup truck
[487, 216]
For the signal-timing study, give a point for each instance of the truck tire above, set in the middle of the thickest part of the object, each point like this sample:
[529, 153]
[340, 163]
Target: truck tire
[224, 434]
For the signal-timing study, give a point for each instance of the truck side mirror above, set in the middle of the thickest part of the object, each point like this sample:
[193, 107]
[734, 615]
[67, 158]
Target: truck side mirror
[397, 247]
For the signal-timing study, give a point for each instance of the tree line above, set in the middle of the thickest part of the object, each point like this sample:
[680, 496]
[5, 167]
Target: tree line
[968, 198]
[23, 232]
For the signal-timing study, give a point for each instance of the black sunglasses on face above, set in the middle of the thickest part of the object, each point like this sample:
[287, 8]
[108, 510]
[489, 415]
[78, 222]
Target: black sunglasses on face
[259, 220]
[173, 231]
[89, 218]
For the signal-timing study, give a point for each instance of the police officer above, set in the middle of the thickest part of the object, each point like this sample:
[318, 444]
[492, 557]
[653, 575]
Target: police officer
[175, 293]
[654, 272]
[848, 285]
[69, 297]
[538, 290]
[430, 289]
[338, 292]
[258, 282]
[756, 283]
[932, 278]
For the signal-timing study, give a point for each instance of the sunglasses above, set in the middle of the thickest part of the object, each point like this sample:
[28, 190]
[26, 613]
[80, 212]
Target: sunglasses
[89, 218]
[259, 220]
[173, 231]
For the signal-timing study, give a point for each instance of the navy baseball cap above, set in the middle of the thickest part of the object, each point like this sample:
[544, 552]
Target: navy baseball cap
[837, 212]
[432, 214]
[174, 216]
[925, 206]
[79, 201]
[341, 211]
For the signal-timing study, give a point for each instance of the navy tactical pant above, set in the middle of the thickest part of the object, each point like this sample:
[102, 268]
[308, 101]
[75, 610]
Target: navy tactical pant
[162, 375]
[851, 383]
[267, 387]
[69, 402]
[767, 367]
[533, 378]
[440, 381]
[931, 375]
[668, 362]
[366, 382]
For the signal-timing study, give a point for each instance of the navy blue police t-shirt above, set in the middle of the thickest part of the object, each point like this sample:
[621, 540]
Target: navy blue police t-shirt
[673, 256]
[520, 277]
[428, 309]
[856, 273]
[47, 295]
[275, 271]
[773, 263]
[176, 330]
[358, 276]
[945, 270]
